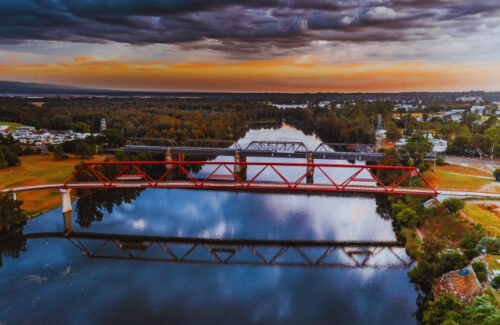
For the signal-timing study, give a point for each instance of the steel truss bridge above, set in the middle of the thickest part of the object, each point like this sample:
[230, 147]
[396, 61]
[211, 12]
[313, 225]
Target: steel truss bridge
[280, 149]
[295, 253]
[261, 176]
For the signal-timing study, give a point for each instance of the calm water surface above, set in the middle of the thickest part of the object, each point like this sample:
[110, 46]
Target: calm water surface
[54, 282]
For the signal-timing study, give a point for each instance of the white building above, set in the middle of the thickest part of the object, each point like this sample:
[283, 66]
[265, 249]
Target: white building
[478, 109]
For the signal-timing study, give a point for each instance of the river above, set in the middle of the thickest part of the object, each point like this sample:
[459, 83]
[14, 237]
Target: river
[53, 281]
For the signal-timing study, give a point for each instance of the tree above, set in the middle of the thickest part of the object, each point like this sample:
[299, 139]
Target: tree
[114, 137]
[488, 244]
[81, 127]
[393, 132]
[429, 262]
[452, 260]
[482, 311]
[59, 154]
[12, 159]
[408, 218]
[3, 162]
[453, 204]
[83, 150]
[417, 147]
[10, 211]
[445, 308]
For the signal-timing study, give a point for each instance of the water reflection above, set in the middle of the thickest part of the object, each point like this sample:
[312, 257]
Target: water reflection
[54, 282]
[295, 253]
[91, 205]
[12, 242]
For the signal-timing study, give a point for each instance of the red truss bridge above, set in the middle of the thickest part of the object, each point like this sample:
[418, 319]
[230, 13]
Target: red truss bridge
[261, 176]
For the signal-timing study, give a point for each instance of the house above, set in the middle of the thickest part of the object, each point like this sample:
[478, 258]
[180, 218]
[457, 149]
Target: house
[478, 109]
[4, 128]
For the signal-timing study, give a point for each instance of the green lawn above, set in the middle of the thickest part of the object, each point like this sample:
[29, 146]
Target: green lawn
[11, 125]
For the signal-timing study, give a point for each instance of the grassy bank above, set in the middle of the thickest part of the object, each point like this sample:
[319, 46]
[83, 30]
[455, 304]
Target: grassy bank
[458, 178]
[11, 125]
[37, 170]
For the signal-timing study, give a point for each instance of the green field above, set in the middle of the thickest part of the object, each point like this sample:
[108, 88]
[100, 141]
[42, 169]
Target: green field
[11, 125]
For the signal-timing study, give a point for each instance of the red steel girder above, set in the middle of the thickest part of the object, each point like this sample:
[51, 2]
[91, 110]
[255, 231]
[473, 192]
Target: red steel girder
[232, 180]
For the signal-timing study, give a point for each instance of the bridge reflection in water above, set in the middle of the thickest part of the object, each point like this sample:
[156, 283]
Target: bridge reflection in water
[295, 253]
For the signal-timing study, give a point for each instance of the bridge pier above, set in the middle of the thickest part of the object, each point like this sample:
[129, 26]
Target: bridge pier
[310, 161]
[67, 211]
[240, 170]
[169, 156]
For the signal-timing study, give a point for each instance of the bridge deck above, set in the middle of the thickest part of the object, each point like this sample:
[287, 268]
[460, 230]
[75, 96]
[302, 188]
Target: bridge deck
[215, 185]
[359, 156]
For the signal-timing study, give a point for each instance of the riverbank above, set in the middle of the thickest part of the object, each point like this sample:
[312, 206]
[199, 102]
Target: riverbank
[38, 170]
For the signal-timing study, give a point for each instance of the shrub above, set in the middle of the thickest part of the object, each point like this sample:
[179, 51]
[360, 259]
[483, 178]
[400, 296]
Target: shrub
[50, 147]
[408, 218]
[452, 260]
[478, 267]
[59, 154]
[496, 173]
[490, 245]
[453, 204]
[470, 253]
[496, 281]
[423, 167]
[481, 276]
[440, 161]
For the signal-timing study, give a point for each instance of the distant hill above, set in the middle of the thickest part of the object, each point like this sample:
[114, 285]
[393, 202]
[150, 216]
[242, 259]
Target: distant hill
[27, 88]
[10, 88]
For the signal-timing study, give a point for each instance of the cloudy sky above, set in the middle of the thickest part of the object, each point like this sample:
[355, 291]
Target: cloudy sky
[253, 45]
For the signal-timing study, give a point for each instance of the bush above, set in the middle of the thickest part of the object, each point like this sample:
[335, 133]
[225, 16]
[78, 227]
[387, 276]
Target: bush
[452, 260]
[50, 147]
[59, 154]
[481, 276]
[489, 244]
[496, 173]
[408, 218]
[478, 267]
[423, 167]
[470, 253]
[453, 204]
[496, 281]
[440, 161]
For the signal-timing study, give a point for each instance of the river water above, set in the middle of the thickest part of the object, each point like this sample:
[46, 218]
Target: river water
[53, 281]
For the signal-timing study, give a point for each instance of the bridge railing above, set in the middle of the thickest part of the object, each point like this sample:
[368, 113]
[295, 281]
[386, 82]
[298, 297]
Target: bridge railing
[345, 147]
[277, 146]
[200, 143]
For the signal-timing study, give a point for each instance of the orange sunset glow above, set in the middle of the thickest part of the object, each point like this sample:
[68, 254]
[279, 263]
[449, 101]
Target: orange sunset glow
[379, 46]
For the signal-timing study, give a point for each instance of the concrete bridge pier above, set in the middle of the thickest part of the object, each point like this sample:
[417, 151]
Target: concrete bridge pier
[240, 170]
[310, 176]
[169, 156]
[67, 211]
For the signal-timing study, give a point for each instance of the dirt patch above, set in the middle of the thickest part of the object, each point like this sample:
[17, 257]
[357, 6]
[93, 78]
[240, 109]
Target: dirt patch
[386, 143]
[463, 287]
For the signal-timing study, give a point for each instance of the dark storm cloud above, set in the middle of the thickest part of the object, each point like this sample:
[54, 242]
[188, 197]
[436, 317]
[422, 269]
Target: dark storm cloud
[244, 26]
